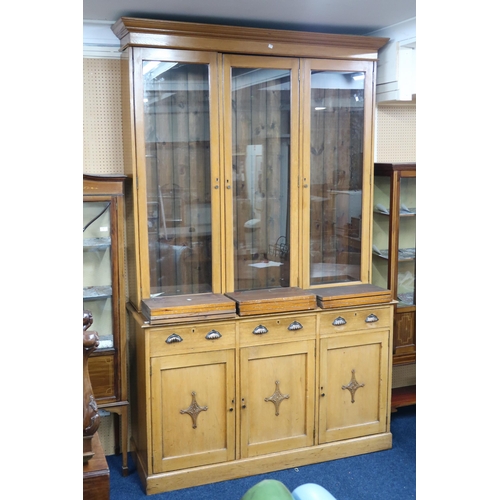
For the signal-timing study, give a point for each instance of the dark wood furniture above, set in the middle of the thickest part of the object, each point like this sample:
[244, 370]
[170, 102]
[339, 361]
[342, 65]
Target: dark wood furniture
[91, 418]
[104, 296]
[394, 259]
[403, 396]
[96, 474]
[95, 467]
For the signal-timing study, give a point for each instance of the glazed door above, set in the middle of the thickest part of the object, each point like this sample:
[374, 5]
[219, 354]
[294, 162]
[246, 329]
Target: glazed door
[353, 389]
[277, 404]
[100, 293]
[335, 190]
[193, 417]
[176, 115]
[261, 152]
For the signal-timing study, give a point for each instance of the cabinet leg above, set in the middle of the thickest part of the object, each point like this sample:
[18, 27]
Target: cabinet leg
[124, 441]
[120, 415]
[116, 426]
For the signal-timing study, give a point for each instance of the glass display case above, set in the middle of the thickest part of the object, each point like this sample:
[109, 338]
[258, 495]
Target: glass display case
[104, 294]
[394, 249]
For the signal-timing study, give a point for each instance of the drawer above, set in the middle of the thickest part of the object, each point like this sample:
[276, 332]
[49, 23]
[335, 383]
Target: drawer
[359, 319]
[277, 329]
[199, 337]
[102, 378]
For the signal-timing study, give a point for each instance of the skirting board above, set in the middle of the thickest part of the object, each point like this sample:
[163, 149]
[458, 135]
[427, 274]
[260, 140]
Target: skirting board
[187, 478]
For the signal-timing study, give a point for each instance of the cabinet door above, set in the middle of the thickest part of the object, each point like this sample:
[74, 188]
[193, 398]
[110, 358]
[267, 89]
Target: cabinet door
[261, 156]
[101, 296]
[178, 207]
[353, 389]
[98, 267]
[336, 171]
[192, 410]
[277, 404]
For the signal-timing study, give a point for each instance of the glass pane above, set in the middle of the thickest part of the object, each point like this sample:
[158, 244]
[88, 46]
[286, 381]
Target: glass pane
[337, 116]
[97, 271]
[407, 251]
[381, 230]
[261, 170]
[177, 133]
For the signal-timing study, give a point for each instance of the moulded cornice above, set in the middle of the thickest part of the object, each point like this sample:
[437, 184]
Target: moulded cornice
[148, 32]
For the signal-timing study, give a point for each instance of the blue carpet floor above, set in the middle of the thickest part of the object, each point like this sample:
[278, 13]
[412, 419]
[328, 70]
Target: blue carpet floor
[384, 475]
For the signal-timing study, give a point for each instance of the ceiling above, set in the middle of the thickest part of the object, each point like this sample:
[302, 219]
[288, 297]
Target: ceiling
[356, 17]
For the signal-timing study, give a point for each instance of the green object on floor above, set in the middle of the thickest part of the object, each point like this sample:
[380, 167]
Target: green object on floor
[268, 489]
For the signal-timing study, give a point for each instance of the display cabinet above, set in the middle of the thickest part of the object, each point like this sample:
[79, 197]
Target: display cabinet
[394, 250]
[104, 296]
[251, 163]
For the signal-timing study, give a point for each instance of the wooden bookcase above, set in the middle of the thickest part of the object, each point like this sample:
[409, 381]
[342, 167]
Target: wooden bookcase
[257, 337]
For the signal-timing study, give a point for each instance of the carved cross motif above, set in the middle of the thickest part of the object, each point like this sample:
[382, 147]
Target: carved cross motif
[277, 397]
[353, 385]
[194, 409]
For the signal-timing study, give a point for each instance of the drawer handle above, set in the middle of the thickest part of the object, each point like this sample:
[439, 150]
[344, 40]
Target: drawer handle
[259, 330]
[371, 318]
[213, 335]
[339, 321]
[173, 338]
[295, 325]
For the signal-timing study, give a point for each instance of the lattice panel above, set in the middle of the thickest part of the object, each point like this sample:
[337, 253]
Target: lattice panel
[102, 121]
[107, 434]
[396, 133]
[404, 375]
